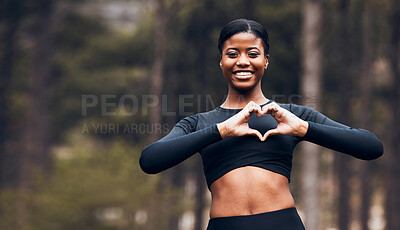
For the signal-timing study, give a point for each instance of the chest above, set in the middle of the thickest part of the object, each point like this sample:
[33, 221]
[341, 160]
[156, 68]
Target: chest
[277, 144]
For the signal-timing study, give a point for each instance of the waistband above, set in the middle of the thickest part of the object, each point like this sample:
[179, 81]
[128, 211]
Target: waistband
[284, 219]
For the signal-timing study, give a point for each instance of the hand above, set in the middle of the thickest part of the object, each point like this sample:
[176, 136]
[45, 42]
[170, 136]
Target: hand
[288, 123]
[238, 125]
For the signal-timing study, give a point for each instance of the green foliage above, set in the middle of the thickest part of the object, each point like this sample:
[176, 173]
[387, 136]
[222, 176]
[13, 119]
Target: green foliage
[93, 186]
[94, 60]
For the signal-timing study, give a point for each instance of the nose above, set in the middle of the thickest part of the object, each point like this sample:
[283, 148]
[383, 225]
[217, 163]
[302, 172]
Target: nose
[243, 61]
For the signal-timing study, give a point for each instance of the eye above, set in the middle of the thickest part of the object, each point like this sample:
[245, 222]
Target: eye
[253, 54]
[232, 54]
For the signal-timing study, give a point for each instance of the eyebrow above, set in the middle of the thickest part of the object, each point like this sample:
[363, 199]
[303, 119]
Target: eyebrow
[250, 48]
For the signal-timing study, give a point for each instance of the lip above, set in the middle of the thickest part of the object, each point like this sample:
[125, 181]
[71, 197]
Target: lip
[237, 71]
[243, 77]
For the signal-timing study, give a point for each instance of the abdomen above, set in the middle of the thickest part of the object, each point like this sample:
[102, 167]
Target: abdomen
[249, 190]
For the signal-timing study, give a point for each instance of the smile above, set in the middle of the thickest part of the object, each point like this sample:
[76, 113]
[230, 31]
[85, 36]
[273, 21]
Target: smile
[243, 74]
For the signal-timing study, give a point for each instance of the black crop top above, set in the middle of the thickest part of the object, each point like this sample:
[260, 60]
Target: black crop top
[199, 133]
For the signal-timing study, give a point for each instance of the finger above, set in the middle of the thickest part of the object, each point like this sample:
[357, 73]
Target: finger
[269, 133]
[271, 105]
[270, 110]
[255, 108]
[275, 110]
[268, 106]
[255, 133]
[252, 107]
[246, 112]
[258, 110]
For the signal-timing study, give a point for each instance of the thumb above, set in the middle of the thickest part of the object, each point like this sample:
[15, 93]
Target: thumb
[270, 132]
[255, 133]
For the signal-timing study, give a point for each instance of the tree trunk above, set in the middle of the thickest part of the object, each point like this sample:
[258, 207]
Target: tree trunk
[365, 85]
[155, 116]
[37, 134]
[158, 68]
[11, 12]
[310, 89]
[393, 156]
[36, 156]
[342, 160]
[204, 43]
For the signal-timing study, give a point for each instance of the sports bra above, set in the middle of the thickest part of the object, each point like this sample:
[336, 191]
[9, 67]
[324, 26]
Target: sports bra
[199, 133]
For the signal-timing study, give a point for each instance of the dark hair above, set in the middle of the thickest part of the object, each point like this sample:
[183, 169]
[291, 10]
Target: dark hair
[243, 25]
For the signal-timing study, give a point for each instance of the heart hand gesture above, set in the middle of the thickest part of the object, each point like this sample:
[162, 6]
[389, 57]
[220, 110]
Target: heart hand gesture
[288, 123]
[238, 125]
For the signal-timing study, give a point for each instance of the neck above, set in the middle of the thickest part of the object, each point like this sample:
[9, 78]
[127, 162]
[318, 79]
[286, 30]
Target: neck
[238, 100]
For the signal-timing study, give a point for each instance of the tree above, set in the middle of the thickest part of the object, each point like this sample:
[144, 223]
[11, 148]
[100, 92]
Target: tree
[156, 89]
[35, 157]
[392, 155]
[311, 92]
[345, 85]
[156, 80]
[365, 85]
[11, 14]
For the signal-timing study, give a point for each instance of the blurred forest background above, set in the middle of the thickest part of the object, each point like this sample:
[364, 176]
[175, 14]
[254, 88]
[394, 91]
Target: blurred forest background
[85, 85]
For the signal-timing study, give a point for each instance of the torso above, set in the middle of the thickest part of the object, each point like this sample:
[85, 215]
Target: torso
[246, 176]
[234, 153]
[249, 190]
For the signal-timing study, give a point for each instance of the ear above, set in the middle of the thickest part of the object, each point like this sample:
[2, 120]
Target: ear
[220, 60]
[266, 61]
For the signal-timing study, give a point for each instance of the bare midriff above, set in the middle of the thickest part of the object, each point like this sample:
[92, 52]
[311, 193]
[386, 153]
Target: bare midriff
[249, 190]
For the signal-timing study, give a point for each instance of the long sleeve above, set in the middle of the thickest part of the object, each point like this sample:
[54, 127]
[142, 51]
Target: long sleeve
[359, 143]
[181, 143]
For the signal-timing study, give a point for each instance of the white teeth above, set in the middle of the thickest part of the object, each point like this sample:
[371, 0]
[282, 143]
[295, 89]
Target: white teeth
[243, 73]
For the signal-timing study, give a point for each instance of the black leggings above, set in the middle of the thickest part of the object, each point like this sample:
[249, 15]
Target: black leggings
[285, 219]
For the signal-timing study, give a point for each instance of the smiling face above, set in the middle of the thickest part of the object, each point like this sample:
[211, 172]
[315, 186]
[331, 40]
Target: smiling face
[243, 61]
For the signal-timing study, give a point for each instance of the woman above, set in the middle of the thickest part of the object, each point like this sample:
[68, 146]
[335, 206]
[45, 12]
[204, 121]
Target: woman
[247, 143]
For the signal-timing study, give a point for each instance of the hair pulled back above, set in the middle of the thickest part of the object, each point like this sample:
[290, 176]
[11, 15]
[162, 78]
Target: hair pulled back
[243, 25]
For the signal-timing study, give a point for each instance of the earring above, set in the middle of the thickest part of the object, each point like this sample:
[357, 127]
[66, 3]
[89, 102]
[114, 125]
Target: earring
[220, 64]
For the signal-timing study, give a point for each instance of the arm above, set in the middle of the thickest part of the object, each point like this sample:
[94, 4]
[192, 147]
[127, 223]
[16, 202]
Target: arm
[310, 125]
[323, 131]
[181, 143]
